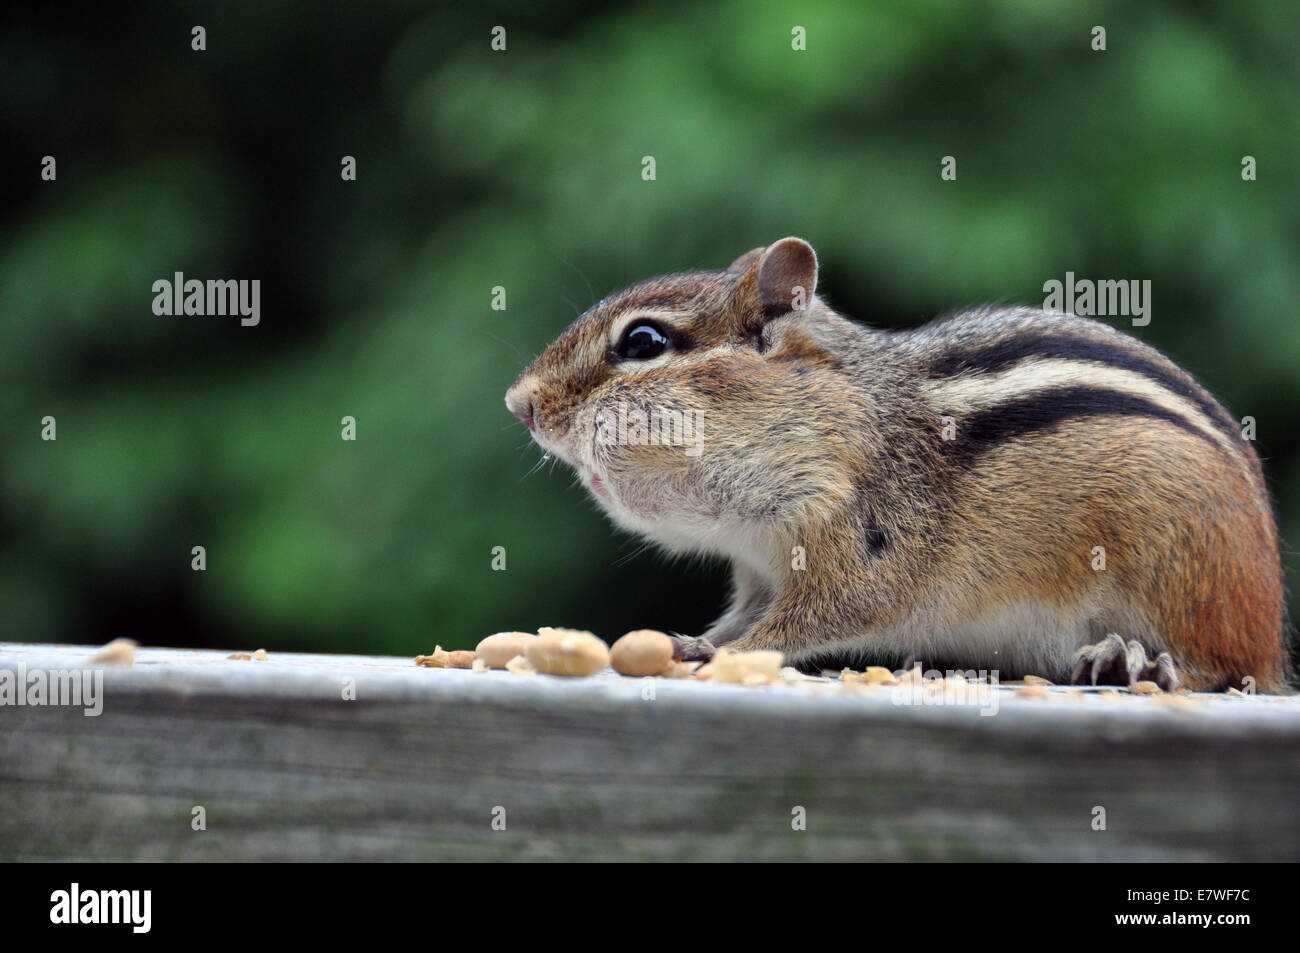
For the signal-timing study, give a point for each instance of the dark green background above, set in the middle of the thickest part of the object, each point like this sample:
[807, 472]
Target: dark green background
[522, 169]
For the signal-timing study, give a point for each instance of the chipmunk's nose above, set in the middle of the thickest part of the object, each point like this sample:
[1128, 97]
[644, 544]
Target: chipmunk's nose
[520, 403]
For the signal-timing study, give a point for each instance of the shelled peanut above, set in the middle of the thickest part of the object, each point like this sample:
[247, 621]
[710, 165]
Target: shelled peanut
[497, 650]
[566, 652]
[642, 652]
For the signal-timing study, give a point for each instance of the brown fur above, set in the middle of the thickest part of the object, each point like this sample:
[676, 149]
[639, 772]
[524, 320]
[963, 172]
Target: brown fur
[826, 438]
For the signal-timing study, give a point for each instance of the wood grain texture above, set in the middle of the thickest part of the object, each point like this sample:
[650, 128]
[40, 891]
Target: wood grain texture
[588, 769]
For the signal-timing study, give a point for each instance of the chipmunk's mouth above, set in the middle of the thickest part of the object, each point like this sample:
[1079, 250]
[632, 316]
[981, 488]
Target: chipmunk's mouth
[587, 473]
[563, 451]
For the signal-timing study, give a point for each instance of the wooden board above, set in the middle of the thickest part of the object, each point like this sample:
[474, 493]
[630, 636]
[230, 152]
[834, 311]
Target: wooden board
[420, 763]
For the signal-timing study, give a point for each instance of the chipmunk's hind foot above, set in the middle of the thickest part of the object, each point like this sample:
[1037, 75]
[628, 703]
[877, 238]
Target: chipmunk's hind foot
[1112, 662]
[692, 648]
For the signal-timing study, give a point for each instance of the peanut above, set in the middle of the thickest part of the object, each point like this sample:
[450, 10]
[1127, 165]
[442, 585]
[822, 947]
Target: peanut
[567, 652]
[640, 653]
[497, 650]
[729, 665]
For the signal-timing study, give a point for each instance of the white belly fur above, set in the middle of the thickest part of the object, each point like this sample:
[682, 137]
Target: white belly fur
[1028, 638]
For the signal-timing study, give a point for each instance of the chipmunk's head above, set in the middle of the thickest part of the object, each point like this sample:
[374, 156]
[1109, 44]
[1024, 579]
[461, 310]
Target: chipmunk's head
[636, 390]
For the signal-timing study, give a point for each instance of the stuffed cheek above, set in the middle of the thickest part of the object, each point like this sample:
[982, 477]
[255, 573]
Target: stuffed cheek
[639, 454]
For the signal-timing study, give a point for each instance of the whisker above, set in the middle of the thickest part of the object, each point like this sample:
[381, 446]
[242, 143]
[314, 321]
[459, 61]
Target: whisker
[591, 292]
[518, 353]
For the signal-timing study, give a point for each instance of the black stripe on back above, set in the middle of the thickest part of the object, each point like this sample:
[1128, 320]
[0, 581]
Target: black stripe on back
[1042, 410]
[1011, 351]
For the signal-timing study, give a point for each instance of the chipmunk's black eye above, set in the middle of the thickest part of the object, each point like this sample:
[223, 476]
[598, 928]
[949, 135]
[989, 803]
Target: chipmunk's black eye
[642, 341]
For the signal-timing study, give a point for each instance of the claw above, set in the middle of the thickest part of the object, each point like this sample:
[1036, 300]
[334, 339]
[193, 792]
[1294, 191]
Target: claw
[1112, 662]
[691, 648]
[1163, 672]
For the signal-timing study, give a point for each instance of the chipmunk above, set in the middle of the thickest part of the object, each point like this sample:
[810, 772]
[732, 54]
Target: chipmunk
[1005, 489]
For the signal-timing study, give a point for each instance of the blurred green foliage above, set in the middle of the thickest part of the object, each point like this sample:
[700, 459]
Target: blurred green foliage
[522, 169]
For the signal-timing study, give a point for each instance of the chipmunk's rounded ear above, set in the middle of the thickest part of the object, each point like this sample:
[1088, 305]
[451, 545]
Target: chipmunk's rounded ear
[741, 264]
[786, 277]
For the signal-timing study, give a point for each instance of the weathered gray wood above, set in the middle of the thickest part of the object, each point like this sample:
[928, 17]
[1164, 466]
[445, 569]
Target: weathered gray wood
[589, 769]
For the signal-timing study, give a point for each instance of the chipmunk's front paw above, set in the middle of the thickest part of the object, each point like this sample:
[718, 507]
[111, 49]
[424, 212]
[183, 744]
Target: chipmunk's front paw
[1112, 662]
[692, 648]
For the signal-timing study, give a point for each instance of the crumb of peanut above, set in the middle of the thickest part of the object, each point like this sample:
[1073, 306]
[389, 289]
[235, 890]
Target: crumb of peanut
[911, 677]
[676, 669]
[441, 658]
[117, 652]
[872, 675]
[519, 665]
